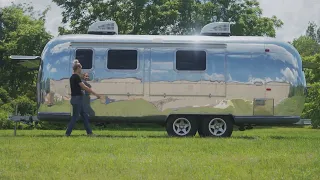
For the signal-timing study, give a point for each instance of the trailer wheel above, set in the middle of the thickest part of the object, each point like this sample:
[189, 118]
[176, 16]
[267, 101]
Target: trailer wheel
[217, 127]
[181, 126]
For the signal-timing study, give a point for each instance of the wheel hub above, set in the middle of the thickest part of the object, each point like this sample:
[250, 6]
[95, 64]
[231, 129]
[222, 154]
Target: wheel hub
[181, 126]
[217, 126]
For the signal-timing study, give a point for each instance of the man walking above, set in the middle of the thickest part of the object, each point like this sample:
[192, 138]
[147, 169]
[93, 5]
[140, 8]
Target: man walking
[86, 98]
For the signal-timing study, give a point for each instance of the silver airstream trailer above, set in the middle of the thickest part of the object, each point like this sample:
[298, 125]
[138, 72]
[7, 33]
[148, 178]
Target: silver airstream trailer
[197, 83]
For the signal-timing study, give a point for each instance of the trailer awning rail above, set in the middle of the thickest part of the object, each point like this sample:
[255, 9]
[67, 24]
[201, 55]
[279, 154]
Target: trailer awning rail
[30, 62]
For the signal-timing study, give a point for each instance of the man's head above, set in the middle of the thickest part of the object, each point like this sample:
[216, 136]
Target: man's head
[77, 66]
[86, 76]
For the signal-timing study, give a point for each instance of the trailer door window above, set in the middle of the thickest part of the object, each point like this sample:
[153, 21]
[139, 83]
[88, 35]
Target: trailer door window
[190, 60]
[122, 59]
[85, 57]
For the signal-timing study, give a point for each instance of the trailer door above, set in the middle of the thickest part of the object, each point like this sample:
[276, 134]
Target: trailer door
[278, 89]
[263, 105]
[246, 81]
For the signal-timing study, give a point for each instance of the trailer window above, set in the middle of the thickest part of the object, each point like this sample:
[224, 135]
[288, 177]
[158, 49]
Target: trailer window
[122, 59]
[191, 60]
[85, 57]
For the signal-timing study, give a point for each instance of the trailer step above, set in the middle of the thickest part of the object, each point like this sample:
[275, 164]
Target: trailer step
[304, 122]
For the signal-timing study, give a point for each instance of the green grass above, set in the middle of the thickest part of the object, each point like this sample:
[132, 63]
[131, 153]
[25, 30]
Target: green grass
[262, 153]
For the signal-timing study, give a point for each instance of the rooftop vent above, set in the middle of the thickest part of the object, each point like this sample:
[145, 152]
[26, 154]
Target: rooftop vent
[108, 27]
[216, 29]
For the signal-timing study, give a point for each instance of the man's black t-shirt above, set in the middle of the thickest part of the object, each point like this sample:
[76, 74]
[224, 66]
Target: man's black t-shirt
[87, 84]
[74, 84]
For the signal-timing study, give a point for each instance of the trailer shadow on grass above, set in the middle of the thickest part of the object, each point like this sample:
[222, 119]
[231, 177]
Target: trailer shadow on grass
[97, 136]
[273, 137]
[142, 126]
[145, 131]
[160, 136]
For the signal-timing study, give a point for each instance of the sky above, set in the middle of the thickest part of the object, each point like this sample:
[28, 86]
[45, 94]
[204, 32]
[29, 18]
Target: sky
[294, 13]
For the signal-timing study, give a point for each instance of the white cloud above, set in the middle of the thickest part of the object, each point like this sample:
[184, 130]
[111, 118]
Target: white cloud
[5, 2]
[53, 70]
[253, 80]
[161, 65]
[214, 77]
[295, 15]
[60, 48]
[65, 59]
[158, 71]
[268, 79]
[54, 16]
[48, 67]
[290, 75]
[280, 53]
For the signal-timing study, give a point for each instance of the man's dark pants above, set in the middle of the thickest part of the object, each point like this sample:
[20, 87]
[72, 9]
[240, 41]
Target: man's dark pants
[86, 103]
[78, 109]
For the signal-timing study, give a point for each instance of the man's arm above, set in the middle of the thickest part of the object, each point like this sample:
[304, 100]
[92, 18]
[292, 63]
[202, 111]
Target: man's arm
[83, 86]
[87, 84]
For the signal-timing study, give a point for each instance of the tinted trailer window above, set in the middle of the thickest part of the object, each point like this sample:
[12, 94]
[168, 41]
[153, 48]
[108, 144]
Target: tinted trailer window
[190, 60]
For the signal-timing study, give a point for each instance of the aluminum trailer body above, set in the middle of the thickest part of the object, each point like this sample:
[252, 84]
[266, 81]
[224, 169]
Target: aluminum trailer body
[178, 80]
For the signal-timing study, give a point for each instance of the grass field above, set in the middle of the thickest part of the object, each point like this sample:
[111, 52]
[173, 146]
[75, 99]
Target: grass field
[268, 153]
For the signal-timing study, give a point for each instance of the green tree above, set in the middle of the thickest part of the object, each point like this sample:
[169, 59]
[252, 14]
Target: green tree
[313, 31]
[247, 16]
[1, 38]
[309, 49]
[306, 45]
[312, 106]
[168, 16]
[23, 33]
[4, 96]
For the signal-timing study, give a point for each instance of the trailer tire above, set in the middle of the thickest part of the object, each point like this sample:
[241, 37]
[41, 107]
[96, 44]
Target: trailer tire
[181, 126]
[216, 127]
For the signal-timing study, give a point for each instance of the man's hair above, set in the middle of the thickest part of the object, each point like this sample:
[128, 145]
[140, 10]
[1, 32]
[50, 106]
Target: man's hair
[76, 65]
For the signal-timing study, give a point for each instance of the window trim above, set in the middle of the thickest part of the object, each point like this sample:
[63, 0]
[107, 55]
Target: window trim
[122, 70]
[189, 71]
[85, 48]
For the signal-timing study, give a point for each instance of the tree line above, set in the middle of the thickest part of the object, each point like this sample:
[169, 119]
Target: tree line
[22, 31]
